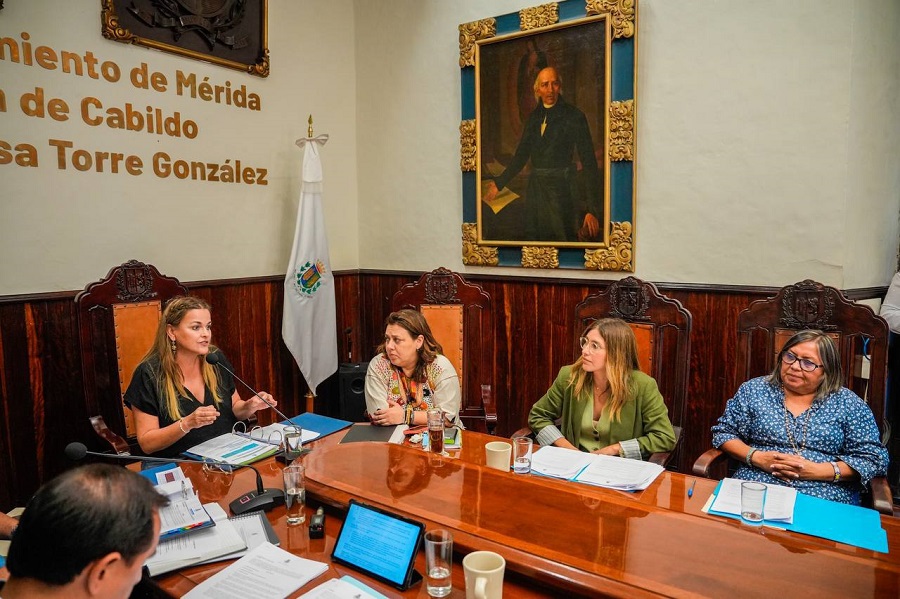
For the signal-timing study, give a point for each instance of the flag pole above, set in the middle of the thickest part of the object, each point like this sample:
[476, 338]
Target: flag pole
[309, 319]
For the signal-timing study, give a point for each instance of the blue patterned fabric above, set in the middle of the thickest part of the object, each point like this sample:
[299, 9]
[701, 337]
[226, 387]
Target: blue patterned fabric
[839, 427]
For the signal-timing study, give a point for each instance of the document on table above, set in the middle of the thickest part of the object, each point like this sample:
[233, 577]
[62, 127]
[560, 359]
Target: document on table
[267, 571]
[184, 512]
[345, 587]
[619, 473]
[559, 462]
[779, 507]
[179, 552]
[232, 449]
[594, 469]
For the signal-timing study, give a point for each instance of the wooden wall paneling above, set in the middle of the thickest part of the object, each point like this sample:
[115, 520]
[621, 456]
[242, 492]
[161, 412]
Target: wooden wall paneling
[18, 468]
[42, 403]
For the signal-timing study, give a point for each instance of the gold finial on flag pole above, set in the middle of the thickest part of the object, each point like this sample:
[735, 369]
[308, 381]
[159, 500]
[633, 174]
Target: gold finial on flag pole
[309, 132]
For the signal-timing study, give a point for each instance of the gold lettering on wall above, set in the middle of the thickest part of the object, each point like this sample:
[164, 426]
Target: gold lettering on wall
[129, 117]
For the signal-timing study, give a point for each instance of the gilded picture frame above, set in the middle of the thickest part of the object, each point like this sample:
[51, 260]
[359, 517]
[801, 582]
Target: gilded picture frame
[547, 137]
[227, 33]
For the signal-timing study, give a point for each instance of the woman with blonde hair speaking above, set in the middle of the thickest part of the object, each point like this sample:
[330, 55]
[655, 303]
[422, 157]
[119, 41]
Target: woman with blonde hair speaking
[603, 403]
[180, 400]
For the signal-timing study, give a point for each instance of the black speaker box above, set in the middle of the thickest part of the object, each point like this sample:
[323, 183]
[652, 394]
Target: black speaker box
[352, 385]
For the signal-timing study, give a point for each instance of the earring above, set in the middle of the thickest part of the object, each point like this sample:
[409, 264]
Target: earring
[173, 346]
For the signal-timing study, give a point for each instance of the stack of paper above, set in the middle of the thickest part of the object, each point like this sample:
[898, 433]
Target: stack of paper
[594, 469]
[233, 449]
[779, 506]
[182, 551]
[267, 571]
[345, 587]
[184, 512]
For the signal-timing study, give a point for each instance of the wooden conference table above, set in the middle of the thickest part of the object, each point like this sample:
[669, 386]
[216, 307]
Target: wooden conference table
[558, 538]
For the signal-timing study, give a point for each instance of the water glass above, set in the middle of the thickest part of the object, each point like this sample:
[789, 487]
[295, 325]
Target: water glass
[753, 501]
[438, 562]
[293, 442]
[294, 494]
[435, 430]
[522, 448]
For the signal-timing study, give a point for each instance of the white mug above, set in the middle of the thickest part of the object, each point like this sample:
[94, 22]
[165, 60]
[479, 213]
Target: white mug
[498, 454]
[484, 575]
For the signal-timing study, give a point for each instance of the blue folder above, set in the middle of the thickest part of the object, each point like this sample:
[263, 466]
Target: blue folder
[321, 424]
[841, 522]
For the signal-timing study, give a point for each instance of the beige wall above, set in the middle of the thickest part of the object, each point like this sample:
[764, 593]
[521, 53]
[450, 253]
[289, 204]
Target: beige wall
[62, 229]
[765, 155]
[766, 147]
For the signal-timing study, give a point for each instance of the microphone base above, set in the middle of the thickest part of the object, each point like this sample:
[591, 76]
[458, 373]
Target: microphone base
[253, 501]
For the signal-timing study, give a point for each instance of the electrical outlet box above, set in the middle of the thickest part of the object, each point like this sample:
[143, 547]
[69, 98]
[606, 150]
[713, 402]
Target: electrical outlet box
[861, 366]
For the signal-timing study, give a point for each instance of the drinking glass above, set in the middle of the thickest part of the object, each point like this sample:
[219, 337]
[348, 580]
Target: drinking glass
[293, 442]
[438, 562]
[753, 501]
[294, 494]
[436, 430]
[522, 448]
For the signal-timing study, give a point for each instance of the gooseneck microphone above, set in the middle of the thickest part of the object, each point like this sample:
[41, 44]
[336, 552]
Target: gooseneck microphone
[216, 359]
[260, 499]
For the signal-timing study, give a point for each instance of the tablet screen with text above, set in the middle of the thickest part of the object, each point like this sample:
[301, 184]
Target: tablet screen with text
[379, 543]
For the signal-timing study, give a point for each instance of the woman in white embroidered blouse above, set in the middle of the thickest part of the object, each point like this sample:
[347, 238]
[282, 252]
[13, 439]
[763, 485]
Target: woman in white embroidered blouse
[409, 374]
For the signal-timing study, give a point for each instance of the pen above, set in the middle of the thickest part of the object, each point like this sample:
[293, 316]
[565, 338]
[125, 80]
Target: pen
[691, 490]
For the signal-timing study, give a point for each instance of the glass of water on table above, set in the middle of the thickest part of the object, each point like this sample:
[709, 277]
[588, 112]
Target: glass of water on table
[438, 562]
[294, 494]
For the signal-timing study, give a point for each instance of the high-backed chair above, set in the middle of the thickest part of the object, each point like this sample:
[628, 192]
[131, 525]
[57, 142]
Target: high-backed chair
[662, 327]
[117, 319]
[861, 337]
[459, 314]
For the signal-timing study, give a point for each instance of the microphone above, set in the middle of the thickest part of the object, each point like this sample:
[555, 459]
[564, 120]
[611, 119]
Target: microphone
[259, 499]
[216, 359]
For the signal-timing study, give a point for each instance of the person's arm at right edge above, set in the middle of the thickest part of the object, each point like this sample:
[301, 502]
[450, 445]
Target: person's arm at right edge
[890, 308]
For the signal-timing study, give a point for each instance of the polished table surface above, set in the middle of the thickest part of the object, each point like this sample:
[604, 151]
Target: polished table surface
[557, 535]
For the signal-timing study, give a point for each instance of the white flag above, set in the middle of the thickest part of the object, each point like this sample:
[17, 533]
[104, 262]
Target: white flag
[309, 322]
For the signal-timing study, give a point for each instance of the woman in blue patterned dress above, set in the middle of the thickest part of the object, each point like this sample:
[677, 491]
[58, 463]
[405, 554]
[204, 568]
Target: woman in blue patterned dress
[799, 426]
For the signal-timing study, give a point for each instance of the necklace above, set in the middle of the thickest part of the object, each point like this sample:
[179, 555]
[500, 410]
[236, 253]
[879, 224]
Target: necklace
[787, 428]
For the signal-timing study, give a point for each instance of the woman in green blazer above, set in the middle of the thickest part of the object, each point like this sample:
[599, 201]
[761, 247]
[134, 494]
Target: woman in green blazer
[603, 403]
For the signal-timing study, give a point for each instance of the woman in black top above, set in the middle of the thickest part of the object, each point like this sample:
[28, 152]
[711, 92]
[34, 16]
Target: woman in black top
[178, 399]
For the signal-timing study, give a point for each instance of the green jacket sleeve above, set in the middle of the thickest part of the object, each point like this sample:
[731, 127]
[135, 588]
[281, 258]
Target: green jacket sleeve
[657, 432]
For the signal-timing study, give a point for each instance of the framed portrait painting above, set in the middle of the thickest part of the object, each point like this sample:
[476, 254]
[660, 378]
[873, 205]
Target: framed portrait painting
[548, 158]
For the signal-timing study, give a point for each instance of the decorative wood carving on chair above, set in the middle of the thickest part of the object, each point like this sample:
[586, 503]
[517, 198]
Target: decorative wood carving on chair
[459, 314]
[117, 318]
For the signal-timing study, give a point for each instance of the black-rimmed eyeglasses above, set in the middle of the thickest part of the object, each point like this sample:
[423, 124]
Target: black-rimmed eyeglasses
[805, 365]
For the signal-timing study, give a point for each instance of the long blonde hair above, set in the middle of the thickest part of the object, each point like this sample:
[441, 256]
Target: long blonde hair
[169, 378]
[621, 361]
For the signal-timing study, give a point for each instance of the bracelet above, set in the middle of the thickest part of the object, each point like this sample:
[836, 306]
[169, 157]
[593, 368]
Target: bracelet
[837, 472]
[749, 457]
[181, 426]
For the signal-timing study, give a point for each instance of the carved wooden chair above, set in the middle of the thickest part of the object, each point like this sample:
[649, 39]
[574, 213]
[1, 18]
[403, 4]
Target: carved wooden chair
[459, 314]
[662, 327]
[117, 319]
[862, 340]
